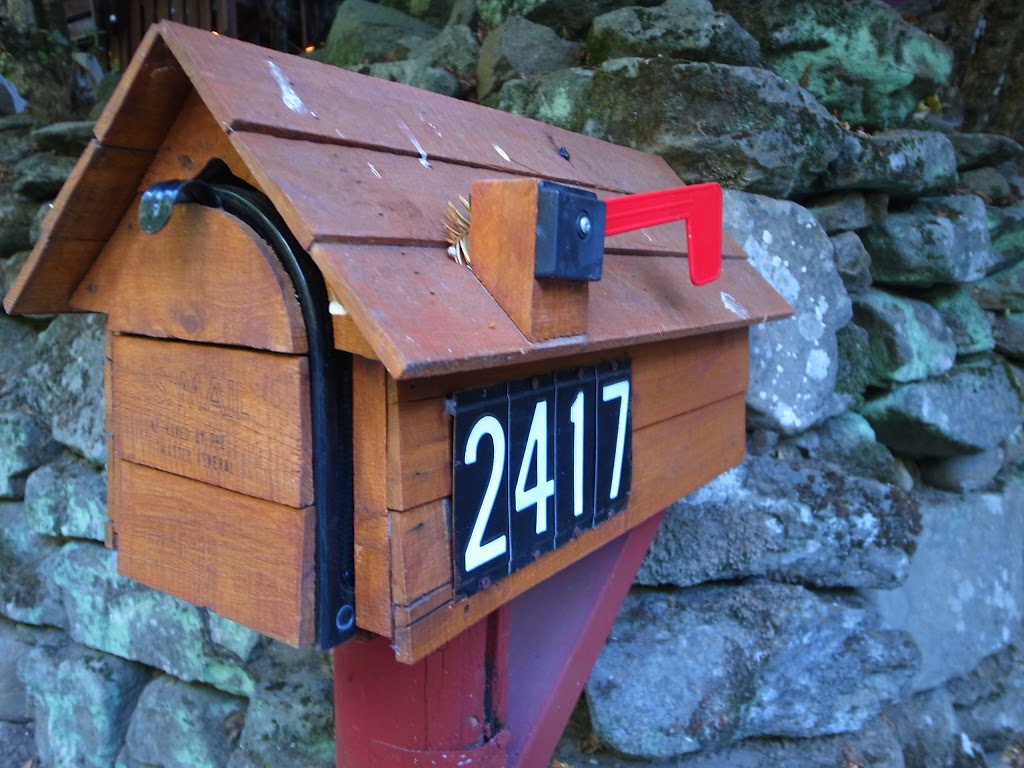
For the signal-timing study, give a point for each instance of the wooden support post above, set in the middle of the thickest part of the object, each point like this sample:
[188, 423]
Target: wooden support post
[499, 694]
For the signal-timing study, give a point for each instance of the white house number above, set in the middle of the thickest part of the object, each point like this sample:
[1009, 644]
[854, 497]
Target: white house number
[536, 462]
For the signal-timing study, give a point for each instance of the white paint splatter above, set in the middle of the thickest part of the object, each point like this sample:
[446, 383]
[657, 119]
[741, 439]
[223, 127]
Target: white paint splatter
[734, 306]
[424, 160]
[336, 308]
[374, 171]
[504, 155]
[288, 95]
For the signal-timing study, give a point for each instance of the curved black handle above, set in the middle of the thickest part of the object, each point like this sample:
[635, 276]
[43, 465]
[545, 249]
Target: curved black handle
[330, 382]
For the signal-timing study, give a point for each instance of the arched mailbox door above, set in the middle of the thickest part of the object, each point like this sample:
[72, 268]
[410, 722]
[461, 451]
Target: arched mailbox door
[497, 437]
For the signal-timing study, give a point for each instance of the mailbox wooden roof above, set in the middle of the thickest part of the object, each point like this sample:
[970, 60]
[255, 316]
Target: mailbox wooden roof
[361, 171]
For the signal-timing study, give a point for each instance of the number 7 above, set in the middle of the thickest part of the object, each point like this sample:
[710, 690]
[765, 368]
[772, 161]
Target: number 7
[609, 392]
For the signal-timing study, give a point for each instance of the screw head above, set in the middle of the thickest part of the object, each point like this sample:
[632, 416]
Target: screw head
[345, 619]
[583, 225]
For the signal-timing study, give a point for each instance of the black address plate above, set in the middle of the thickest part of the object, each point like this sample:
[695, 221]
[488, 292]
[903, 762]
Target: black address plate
[536, 463]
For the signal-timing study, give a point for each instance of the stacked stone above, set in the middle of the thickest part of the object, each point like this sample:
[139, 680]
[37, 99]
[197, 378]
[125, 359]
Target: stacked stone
[850, 595]
[97, 670]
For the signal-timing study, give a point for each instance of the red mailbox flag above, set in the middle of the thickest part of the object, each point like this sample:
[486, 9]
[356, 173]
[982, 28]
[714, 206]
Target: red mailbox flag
[699, 205]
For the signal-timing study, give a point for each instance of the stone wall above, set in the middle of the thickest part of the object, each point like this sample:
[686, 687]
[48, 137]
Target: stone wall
[851, 595]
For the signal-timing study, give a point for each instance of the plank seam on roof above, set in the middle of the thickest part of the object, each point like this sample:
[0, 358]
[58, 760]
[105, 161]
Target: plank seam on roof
[293, 134]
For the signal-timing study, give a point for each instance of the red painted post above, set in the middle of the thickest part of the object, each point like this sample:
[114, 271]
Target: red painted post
[438, 712]
[500, 694]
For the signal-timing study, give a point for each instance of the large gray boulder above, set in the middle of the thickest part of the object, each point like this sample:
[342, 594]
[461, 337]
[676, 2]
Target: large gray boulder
[679, 29]
[27, 594]
[83, 700]
[13, 704]
[873, 745]
[848, 210]
[569, 17]
[989, 700]
[67, 498]
[26, 445]
[1006, 231]
[290, 719]
[966, 320]
[976, 150]
[1003, 290]
[15, 221]
[40, 176]
[853, 261]
[742, 126]
[907, 339]
[858, 57]
[66, 383]
[937, 240]
[691, 669]
[1008, 332]
[17, 744]
[794, 362]
[972, 408]
[959, 607]
[414, 73]
[518, 49]
[557, 98]
[899, 163]
[799, 522]
[365, 33]
[925, 725]
[158, 734]
[455, 50]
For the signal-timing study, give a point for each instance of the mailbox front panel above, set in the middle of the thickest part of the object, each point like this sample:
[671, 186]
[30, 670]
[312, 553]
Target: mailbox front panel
[686, 425]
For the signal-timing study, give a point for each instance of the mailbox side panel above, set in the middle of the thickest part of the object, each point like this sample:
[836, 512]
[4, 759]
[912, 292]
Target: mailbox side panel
[229, 417]
[247, 559]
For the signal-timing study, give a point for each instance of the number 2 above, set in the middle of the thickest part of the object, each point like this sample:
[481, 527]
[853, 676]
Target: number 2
[478, 553]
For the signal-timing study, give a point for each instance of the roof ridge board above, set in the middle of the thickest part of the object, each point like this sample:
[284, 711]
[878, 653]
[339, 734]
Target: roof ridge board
[293, 92]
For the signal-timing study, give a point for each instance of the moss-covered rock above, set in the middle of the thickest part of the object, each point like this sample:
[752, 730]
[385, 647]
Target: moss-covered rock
[907, 339]
[83, 700]
[741, 126]
[690, 30]
[935, 241]
[971, 408]
[518, 49]
[860, 58]
[970, 325]
[122, 617]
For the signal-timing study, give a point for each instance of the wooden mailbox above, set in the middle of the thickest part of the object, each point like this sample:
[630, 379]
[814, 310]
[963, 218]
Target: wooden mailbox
[215, 492]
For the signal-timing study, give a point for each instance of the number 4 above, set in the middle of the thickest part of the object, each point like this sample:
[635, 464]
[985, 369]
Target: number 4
[536, 452]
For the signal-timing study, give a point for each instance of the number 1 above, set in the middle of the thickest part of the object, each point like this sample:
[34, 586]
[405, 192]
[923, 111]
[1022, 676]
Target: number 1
[576, 417]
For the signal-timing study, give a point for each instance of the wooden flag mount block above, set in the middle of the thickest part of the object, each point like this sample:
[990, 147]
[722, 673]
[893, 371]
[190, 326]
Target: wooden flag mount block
[503, 242]
[536, 244]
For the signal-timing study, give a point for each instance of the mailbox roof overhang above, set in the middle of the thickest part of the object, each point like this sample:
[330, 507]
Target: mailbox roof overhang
[361, 171]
